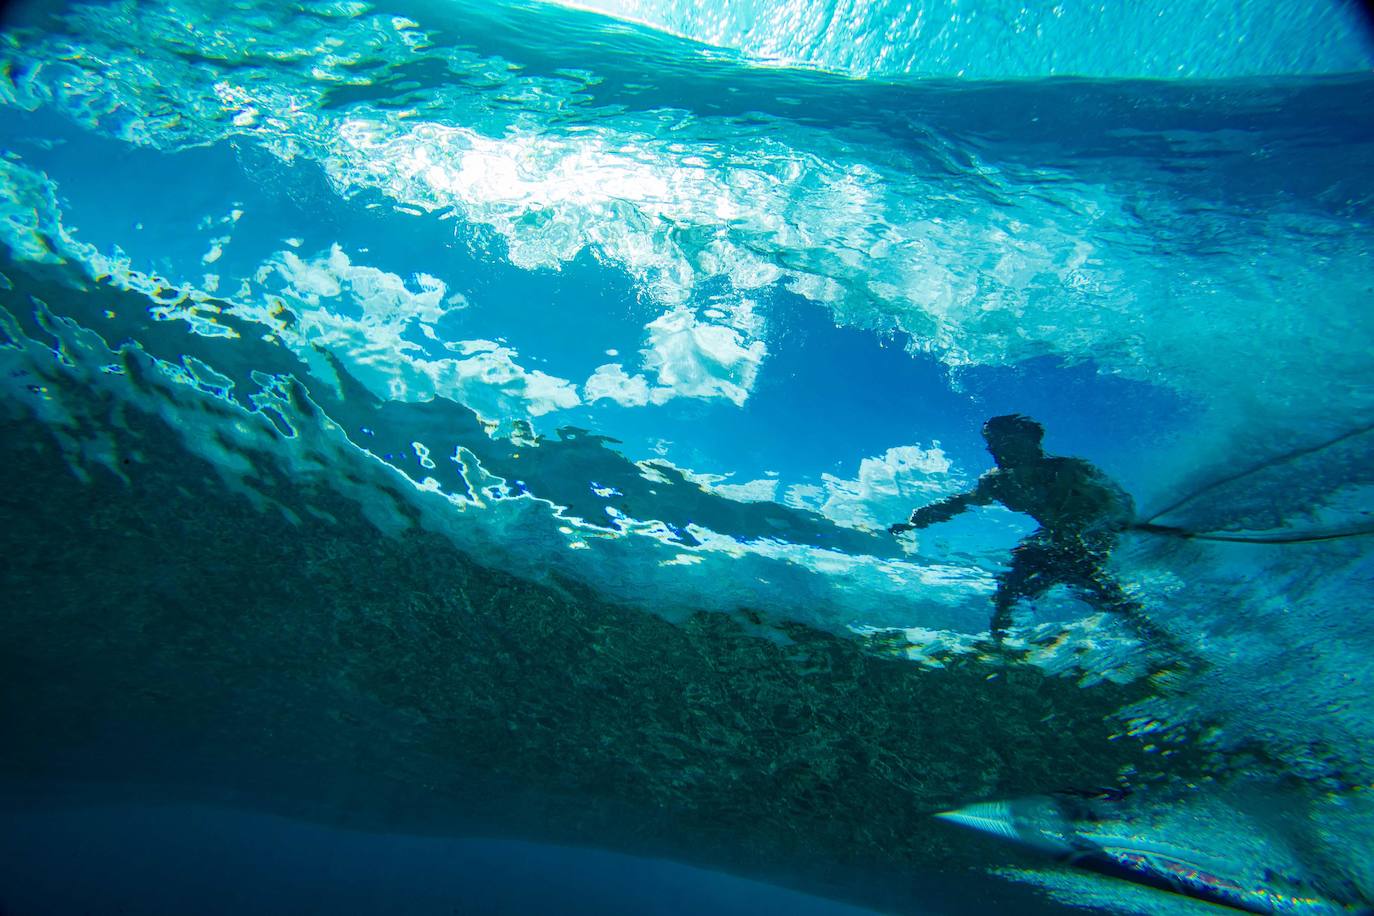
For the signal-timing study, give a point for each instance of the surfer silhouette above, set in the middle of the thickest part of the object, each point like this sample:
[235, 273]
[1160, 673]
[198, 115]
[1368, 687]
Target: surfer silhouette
[1081, 512]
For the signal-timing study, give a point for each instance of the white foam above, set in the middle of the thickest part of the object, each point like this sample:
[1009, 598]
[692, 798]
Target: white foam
[486, 378]
[611, 381]
[694, 359]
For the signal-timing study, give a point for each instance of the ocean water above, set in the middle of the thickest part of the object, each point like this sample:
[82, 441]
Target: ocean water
[448, 450]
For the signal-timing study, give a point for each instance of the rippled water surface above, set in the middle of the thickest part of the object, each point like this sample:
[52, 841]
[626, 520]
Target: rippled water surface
[456, 419]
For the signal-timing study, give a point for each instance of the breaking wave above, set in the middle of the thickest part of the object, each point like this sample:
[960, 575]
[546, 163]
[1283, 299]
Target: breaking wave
[691, 328]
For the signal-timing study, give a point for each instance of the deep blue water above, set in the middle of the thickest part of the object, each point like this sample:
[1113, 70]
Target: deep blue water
[656, 315]
[132, 859]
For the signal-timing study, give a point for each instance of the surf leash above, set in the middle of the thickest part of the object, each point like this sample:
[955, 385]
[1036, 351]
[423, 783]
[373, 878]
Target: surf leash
[1295, 537]
[1148, 526]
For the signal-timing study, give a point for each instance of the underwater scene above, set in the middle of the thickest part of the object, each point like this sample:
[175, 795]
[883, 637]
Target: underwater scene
[687, 456]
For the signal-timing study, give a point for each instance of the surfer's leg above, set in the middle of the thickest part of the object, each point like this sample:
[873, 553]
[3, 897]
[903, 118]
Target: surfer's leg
[1105, 593]
[1031, 574]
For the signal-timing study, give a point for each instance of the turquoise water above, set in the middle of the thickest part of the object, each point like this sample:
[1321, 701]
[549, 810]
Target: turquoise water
[481, 421]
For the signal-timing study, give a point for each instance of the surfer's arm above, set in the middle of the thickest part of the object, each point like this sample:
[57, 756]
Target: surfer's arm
[945, 509]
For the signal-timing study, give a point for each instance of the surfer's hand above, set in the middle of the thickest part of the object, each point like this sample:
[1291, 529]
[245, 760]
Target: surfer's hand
[899, 528]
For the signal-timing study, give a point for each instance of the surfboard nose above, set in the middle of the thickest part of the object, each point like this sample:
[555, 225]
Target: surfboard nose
[993, 817]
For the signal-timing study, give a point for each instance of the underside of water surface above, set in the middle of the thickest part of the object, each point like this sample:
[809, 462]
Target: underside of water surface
[462, 419]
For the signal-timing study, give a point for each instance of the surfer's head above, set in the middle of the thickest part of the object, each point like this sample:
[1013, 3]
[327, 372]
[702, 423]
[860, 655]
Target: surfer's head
[1013, 439]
